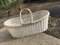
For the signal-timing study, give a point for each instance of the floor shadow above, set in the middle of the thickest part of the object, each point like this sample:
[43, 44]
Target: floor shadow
[54, 27]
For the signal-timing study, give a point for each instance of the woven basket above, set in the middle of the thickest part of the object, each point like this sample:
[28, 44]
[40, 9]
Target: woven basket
[29, 24]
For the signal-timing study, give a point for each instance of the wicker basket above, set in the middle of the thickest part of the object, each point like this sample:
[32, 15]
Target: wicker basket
[29, 24]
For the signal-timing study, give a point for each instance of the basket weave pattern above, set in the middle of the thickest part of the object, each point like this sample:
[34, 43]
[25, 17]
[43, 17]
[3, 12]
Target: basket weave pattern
[17, 30]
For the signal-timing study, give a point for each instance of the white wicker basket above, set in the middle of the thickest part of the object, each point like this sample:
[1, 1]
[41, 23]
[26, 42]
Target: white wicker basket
[29, 24]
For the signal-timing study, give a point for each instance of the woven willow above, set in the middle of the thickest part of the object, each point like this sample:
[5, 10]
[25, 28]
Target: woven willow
[29, 24]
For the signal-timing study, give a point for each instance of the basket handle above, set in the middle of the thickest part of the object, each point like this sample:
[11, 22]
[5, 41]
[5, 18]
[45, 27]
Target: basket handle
[30, 13]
